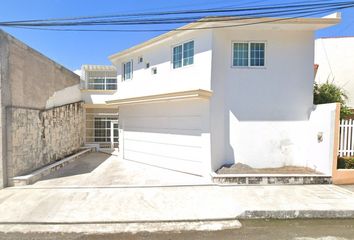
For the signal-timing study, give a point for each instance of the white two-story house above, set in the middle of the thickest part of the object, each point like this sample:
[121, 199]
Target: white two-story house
[220, 92]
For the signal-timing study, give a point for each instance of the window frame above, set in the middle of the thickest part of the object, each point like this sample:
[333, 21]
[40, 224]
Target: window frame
[131, 70]
[249, 54]
[104, 83]
[182, 62]
[97, 131]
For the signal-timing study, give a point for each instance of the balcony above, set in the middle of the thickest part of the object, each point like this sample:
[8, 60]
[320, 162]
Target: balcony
[101, 83]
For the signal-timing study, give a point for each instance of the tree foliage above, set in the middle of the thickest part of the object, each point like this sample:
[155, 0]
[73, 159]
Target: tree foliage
[330, 93]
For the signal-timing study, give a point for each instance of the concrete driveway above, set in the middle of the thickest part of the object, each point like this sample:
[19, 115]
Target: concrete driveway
[101, 169]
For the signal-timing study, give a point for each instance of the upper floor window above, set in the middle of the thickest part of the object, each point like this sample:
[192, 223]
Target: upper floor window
[127, 70]
[248, 54]
[102, 83]
[183, 54]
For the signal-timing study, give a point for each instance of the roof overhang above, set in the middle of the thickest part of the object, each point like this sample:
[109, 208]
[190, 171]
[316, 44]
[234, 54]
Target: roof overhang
[173, 96]
[309, 24]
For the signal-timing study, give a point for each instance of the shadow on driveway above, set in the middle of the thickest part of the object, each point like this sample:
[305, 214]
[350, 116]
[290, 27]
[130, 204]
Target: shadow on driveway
[101, 169]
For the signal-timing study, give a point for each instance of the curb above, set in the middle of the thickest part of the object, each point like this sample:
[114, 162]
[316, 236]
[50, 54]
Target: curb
[120, 228]
[297, 214]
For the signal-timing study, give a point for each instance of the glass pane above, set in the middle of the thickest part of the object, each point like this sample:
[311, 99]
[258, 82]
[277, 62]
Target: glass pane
[240, 57]
[177, 57]
[111, 80]
[127, 70]
[111, 86]
[257, 54]
[188, 53]
[96, 80]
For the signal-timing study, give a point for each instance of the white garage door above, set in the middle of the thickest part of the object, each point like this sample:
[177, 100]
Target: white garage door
[167, 136]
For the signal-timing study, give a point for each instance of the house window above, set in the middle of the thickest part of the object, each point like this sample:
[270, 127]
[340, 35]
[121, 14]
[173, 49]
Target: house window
[127, 70]
[103, 130]
[183, 54]
[102, 83]
[249, 54]
[140, 59]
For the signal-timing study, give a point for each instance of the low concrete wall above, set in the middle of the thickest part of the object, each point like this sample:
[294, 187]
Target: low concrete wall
[343, 176]
[268, 144]
[39, 137]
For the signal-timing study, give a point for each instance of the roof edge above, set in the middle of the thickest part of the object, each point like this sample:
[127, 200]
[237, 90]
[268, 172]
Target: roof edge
[329, 19]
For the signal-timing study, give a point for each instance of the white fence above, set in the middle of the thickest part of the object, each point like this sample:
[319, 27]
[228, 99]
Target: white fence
[346, 139]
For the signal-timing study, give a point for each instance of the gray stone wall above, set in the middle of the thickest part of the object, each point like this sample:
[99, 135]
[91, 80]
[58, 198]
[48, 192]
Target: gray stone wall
[28, 79]
[33, 77]
[39, 137]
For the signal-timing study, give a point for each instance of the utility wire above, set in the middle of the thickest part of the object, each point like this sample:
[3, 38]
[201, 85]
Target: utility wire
[165, 30]
[198, 11]
[185, 19]
[295, 10]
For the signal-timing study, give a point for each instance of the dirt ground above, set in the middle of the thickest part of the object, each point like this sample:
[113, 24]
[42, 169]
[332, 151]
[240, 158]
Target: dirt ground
[240, 168]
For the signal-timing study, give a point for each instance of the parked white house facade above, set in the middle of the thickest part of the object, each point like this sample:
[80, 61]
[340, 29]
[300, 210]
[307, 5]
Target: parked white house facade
[334, 58]
[194, 100]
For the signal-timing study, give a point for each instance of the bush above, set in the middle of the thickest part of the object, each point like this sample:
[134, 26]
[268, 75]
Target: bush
[330, 93]
[345, 162]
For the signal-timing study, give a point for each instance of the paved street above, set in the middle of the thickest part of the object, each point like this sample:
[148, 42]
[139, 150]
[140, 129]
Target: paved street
[115, 204]
[100, 194]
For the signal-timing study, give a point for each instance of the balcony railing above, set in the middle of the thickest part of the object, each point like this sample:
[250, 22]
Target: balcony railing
[104, 83]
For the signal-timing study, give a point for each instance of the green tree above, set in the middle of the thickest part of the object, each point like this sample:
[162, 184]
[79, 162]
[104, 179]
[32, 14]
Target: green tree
[330, 93]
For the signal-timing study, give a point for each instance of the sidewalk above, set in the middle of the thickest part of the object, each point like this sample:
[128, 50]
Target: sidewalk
[111, 205]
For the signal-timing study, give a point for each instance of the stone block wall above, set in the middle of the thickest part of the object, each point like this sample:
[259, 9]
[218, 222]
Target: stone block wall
[36, 138]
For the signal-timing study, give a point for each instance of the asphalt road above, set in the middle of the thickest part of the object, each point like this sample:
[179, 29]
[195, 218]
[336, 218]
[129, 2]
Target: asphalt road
[252, 230]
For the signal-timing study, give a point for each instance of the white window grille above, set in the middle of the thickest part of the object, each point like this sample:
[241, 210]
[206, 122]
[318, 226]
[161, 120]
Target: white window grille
[183, 55]
[248, 54]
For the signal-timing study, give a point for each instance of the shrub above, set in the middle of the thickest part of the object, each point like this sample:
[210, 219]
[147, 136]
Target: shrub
[346, 162]
[330, 93]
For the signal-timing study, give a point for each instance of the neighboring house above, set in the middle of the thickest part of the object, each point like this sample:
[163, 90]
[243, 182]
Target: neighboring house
[98, 84]
[334, 58]
[42, 116]
[194, 100]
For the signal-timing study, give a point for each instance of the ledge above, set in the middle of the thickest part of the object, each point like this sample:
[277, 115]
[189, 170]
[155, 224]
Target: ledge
[44, 171]
[190, 94]
[98, 91]
[270, 179]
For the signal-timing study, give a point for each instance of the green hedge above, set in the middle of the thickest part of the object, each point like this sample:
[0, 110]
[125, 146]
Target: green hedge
[345, 162]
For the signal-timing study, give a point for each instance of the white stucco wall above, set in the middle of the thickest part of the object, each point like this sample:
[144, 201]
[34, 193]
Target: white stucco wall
[96, 97]
[256, 111]
[64, 96]
[167, 79]
[335, 57]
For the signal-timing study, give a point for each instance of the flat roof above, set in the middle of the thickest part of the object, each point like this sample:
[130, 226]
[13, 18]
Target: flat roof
[90, 67]
[228, 22]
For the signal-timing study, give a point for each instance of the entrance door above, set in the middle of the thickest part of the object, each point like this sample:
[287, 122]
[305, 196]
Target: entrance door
[114, 134]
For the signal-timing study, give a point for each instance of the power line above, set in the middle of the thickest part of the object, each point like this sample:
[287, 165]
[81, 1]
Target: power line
[189, 12]
[172, 29]
[154, 18]
[152, 21]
